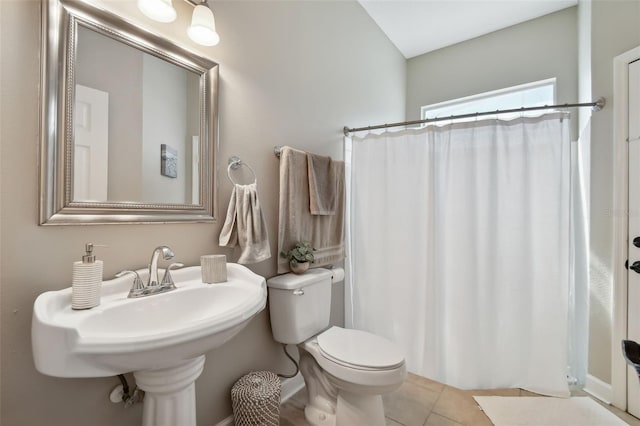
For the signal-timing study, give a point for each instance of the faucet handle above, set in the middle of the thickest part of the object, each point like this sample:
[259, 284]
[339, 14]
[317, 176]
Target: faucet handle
[138, 285]
[167, 280]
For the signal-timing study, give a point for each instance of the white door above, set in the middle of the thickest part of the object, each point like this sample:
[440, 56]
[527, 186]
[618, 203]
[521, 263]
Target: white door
[91, 145]
[633, 318]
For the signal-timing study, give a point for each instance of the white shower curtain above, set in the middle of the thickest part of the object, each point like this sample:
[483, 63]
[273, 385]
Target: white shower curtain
[460, 249]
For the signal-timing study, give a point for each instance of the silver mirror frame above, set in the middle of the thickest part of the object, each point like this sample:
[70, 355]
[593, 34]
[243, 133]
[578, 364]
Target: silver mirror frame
[60, 20]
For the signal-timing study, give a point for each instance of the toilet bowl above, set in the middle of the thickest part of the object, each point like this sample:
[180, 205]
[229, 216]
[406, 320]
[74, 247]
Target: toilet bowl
[346, 371]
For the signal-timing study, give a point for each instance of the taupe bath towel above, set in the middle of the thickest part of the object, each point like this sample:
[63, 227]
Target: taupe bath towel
[322, 184]
[246, 226]
[326, 232]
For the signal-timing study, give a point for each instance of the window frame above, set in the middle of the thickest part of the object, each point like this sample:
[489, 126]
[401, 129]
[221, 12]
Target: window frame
[426, 109]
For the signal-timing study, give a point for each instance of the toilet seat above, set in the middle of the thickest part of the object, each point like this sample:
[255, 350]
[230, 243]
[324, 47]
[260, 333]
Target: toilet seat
[356, 376]
[359, 349]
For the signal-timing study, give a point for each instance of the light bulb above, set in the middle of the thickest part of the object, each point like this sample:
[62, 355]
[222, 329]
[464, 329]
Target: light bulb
[158, 10]
[203, 27]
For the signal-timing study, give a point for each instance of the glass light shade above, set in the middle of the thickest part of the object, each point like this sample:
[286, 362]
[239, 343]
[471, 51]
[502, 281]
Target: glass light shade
[203, 27]
[158, 10]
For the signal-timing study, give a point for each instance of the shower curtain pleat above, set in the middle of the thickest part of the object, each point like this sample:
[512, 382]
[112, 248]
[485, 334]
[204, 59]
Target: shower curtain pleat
[459, 242]
[579, 276]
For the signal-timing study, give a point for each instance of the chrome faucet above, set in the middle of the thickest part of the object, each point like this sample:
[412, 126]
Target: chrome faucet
[153, 266]
[154, 285]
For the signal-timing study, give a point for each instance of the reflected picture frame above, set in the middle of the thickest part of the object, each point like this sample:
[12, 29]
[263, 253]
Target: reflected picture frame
[168, 161]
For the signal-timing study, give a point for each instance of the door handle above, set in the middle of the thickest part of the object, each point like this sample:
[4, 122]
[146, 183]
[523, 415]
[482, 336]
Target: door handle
[635, 266]
[636, 241]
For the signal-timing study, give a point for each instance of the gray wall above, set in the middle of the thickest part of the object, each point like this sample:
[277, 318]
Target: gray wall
[164, 116]
[615, 28]
[542, 48]
[291, 73]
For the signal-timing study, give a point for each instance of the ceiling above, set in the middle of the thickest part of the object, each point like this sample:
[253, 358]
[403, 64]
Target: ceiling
[421, 26]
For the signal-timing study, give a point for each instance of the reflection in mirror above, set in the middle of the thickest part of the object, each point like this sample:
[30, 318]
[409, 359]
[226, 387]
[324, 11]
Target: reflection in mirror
[128, 105]
[130, 124]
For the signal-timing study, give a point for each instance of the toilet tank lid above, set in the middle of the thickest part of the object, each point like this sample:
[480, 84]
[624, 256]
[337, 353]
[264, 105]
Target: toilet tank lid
[294, 281]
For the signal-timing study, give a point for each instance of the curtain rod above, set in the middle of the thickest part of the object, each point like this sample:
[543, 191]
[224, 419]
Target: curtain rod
[596, 106]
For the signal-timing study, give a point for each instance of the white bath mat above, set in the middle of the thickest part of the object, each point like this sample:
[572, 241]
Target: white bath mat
[546, 411]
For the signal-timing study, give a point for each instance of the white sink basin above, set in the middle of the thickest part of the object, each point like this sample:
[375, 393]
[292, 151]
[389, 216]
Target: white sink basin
[148, 333]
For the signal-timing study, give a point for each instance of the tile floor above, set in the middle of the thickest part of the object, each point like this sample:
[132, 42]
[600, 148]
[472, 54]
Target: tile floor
[423, 402]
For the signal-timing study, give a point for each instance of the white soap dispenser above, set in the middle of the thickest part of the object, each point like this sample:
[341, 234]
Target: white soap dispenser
[86, 280]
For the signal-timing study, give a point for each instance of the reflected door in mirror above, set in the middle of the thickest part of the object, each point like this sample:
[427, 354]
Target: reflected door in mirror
[91, 144]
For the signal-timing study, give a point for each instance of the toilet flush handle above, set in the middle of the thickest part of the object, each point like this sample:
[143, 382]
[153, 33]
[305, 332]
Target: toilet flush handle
[298, 292]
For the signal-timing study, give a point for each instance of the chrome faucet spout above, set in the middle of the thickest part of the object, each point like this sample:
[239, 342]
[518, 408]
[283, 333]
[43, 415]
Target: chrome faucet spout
[167, 254]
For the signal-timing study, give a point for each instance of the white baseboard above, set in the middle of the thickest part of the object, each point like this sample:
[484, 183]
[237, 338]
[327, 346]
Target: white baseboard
[226, 422]
[291, 386]
[288, 388]
[598, 389]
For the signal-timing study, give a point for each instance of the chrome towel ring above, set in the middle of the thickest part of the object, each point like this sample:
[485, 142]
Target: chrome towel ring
[234, 163]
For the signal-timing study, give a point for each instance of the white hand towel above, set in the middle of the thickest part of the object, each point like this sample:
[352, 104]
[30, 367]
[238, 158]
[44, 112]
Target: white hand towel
[245, 225]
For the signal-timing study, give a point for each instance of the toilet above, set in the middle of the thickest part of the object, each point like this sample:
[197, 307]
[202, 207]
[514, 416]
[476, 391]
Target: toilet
[345, 371]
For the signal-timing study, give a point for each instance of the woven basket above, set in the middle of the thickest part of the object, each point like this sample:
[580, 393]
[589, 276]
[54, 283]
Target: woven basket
[256, 399]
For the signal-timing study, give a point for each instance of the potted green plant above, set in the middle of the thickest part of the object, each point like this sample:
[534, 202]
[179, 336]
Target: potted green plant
[300, 256]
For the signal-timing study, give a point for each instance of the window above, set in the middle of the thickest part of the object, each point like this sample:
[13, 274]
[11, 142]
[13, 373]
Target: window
[538, 93]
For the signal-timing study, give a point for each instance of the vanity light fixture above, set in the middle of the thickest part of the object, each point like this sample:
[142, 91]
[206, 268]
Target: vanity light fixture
[203, 26]
[158, 10]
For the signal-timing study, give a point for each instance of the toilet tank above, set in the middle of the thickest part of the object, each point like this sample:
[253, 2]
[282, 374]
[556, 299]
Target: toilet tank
[300, 305]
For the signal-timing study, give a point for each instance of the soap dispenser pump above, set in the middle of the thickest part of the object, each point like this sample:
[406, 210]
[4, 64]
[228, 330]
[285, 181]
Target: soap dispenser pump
[86, 280]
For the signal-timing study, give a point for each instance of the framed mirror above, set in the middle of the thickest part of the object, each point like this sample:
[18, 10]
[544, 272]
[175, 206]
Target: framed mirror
[129, 123]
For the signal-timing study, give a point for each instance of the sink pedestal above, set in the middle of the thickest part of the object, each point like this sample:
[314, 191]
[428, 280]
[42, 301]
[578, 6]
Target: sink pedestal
[170, 393]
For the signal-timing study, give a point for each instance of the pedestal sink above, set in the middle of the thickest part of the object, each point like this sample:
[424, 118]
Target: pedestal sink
[161, 338]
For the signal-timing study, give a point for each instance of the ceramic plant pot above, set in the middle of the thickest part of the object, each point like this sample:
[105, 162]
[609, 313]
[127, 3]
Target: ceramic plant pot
[299, 267]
